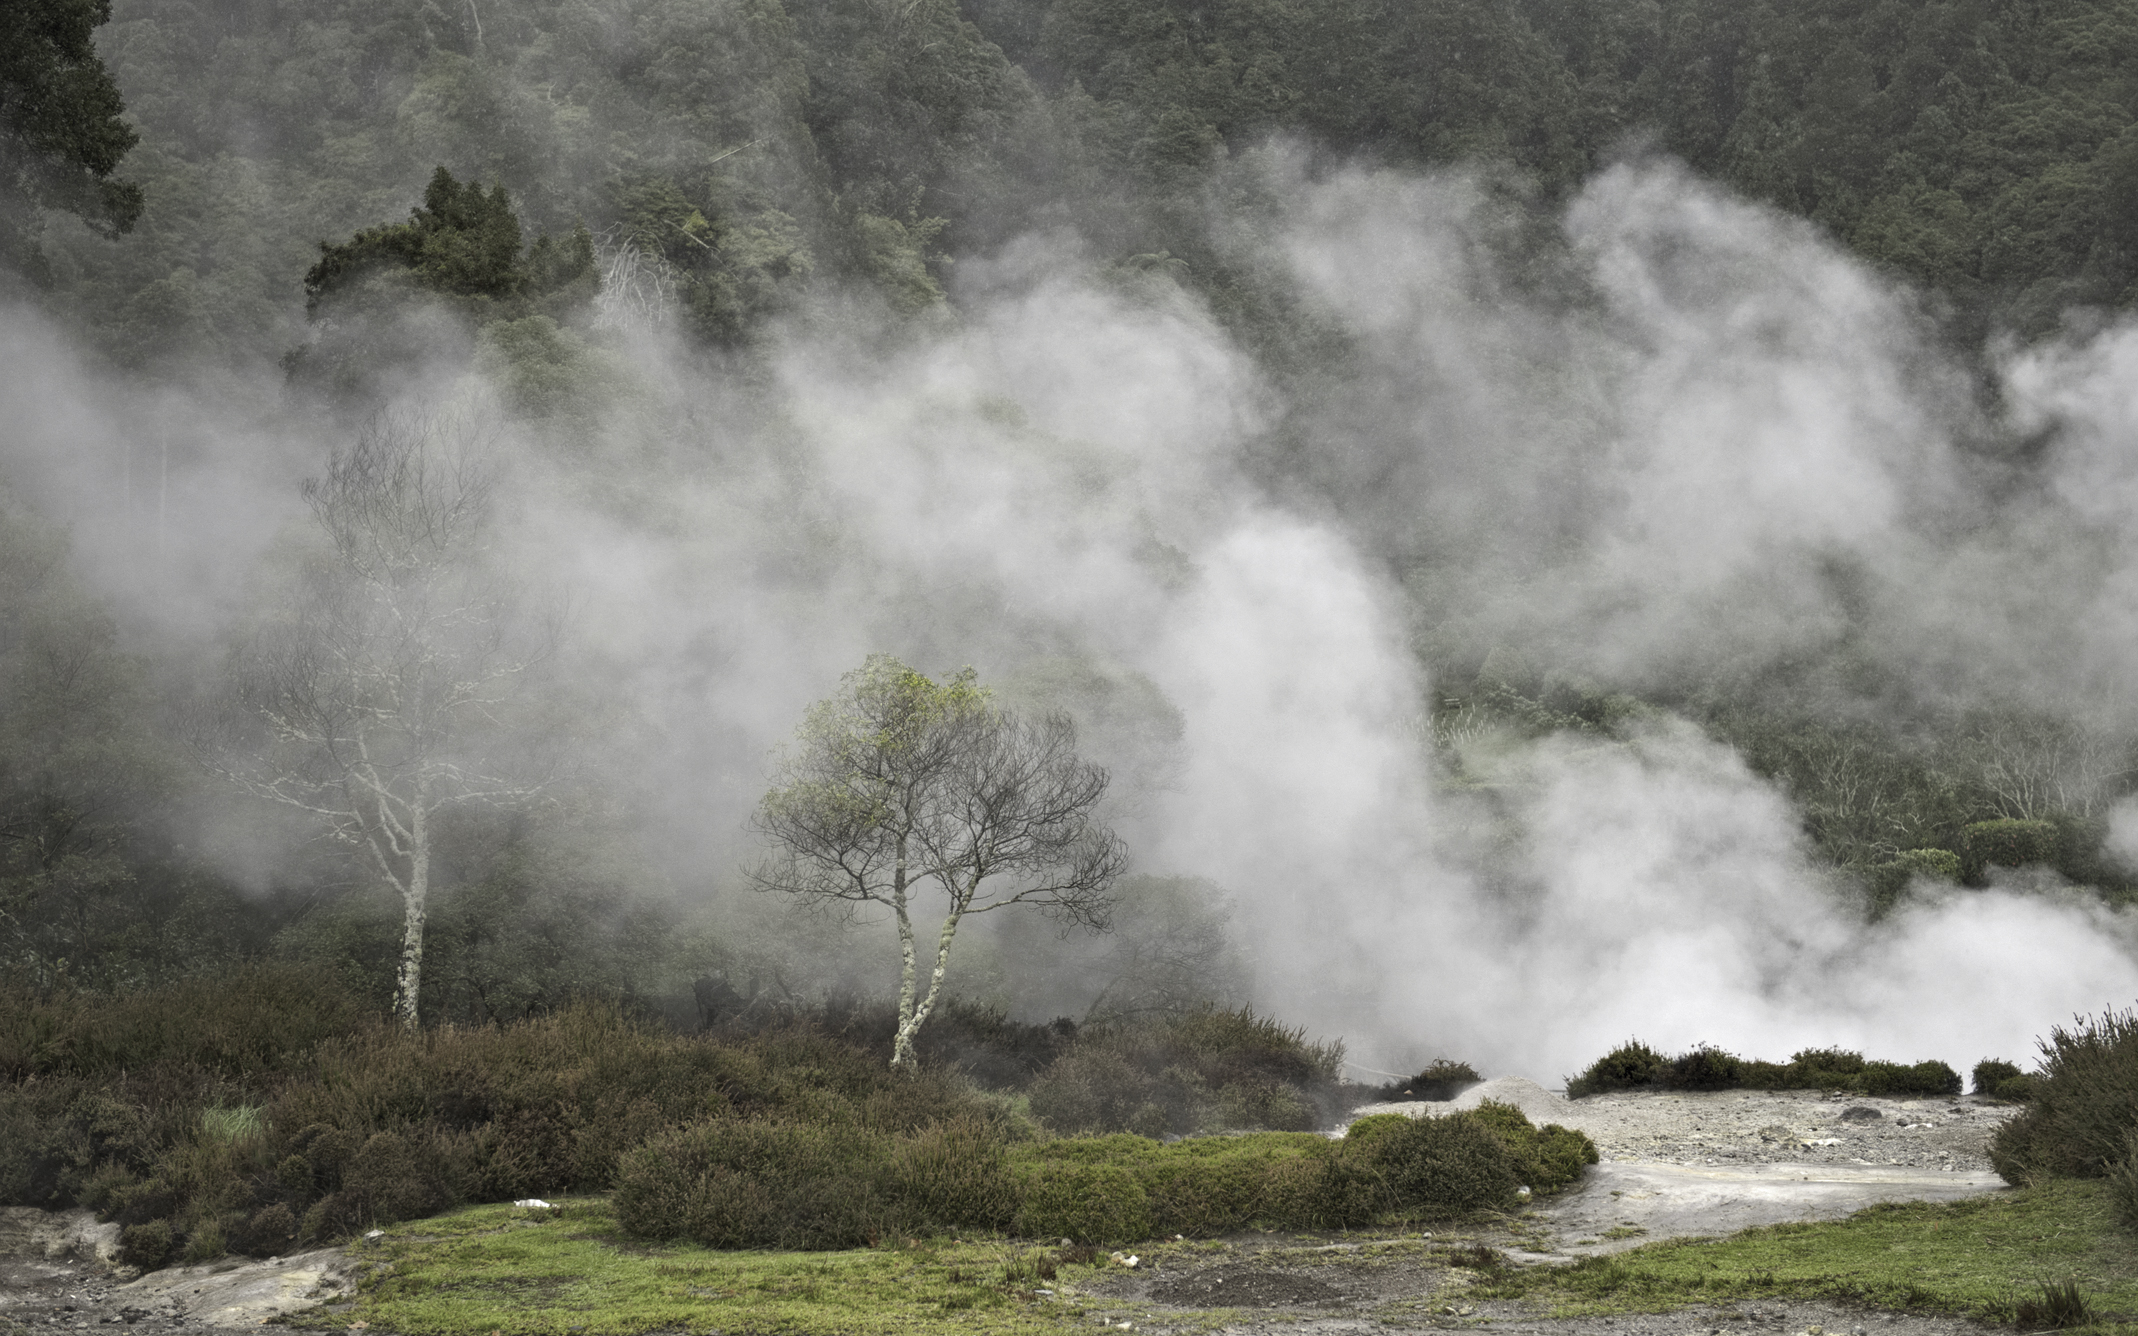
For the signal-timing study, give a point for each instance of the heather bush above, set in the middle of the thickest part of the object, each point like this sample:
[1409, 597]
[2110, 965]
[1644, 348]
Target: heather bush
[1631, 1066]
[2085, 1103]
[1443, 1079]
[760, 1183]
[1635, 1066]
[1704, 1068]
[1993, 1072]
[1208, 1070]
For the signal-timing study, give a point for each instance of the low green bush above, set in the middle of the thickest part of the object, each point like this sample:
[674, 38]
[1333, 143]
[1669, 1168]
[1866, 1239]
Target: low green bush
[1631, 1066]
[2084, 1104]
[1207, 1071]
[267, 1126]
[1443, 1079]
[1635, 1066]
[2002, 1080]
[760, 1183]
[1085, 1203]
[2009, 843]
[1704, 1068]
[732, 1183]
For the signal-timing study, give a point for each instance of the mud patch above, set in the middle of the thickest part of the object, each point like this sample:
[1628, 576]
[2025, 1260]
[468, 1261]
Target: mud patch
[1243, 1287]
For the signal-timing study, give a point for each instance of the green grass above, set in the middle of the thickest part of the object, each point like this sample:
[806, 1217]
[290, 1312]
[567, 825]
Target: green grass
[533, 1273]
[1979, 1257]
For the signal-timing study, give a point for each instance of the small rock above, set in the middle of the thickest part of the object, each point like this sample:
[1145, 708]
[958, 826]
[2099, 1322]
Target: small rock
[1860, 1113]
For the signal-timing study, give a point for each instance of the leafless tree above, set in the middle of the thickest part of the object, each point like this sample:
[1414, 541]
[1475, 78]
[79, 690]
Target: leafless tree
[899, 783]
[372, 699]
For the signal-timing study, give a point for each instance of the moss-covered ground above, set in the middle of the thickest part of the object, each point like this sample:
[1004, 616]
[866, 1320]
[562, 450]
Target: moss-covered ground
[572, 1272]
[1981, 1257]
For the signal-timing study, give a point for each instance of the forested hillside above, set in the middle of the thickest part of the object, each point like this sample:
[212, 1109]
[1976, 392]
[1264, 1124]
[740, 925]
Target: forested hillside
[1418, 443]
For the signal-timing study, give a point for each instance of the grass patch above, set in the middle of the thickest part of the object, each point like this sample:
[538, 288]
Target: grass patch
[1982, 1258]
[573, 1272]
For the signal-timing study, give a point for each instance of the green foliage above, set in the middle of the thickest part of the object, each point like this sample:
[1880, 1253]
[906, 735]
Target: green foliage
[264, 1109]
[737, 1183]
[2084, 1104]
[1635, 1066]
[462, 242]
[1089, 1203]
[1442, 1079]
[61, 132]
[1207, 1070]
[2009, 843]
[1631, 1066]
[2123, 1182]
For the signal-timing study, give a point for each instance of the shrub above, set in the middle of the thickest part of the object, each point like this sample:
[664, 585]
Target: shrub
[1932, 1078]
[2008, 843]
[1086, 1203]
[1208, 1070]
[1546, 1158]
[756, 1183]
[954, 1174]
[1931, 864]
[1993, 1072]
[1442, 1166]
[1635, 1066]
[1443, 1079]
[1631, 1066]
[2084, 1105]
[1704, 1068]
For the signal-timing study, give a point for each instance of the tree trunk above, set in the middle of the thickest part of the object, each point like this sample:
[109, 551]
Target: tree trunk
[902, 1046]
[413, 897]
[911, 1018]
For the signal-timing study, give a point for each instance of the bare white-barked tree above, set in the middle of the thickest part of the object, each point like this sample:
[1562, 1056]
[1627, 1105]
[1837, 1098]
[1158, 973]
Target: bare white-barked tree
[900, 784]
[373, 697]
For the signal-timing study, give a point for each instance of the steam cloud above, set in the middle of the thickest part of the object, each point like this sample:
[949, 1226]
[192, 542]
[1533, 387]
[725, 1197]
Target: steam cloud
[1709, 439]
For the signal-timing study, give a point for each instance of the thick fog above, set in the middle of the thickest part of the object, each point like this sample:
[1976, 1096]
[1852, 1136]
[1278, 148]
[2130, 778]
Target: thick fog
[1704, 440]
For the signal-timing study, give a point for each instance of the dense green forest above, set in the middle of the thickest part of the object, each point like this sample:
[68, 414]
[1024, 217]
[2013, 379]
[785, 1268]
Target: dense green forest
[610, 238]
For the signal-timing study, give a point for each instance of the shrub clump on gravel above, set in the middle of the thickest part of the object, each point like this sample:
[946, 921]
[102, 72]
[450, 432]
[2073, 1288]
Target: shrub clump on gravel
[1998, 1079]
[1635, 1066]
[2080, 1120]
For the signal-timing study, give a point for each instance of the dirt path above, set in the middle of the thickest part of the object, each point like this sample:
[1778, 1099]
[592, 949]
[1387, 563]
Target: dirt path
[1673, 1165]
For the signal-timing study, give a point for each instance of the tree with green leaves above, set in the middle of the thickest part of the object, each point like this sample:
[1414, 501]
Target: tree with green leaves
[61, 135]
[900, 783]
[462, 243]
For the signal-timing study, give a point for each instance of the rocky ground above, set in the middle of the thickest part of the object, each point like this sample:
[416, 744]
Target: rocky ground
[1674, 1164]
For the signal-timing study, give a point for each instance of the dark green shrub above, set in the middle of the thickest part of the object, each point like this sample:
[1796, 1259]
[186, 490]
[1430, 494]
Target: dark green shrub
[2084, 1105]
[1704, 1068]
[1546, 1158]
[1993, 1072]
[756, 1183]
[1827, 1062]
[1631, 1066]
[2008, 843]
[1931, 864]
[1440, 1167]
[954, 1174]
[1442, 1080]
[1635, 1066]
[1209, 1070]
[1892, 1078]
[1087, 1203]
[1092, 1090]
[147, 1246]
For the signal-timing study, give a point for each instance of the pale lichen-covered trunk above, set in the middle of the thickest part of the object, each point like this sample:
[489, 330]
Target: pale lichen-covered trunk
[913, 1006]
[415, 893]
